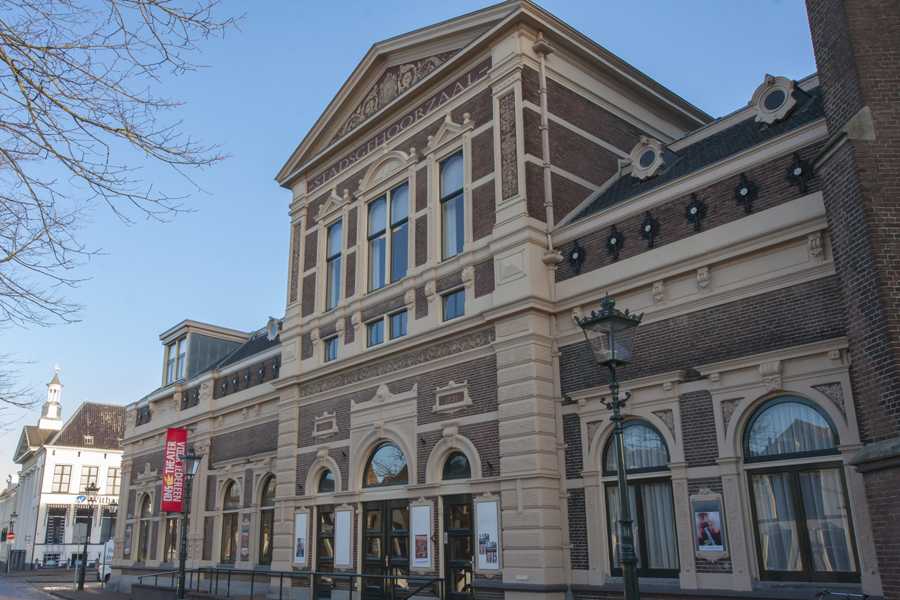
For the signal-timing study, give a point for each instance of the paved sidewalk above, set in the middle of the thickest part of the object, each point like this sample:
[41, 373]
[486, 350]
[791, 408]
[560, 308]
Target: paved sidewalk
[92, 591]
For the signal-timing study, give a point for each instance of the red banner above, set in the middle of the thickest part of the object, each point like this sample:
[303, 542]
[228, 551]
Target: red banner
[173, 469]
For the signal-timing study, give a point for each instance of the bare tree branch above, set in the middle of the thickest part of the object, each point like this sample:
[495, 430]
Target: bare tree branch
[76, 104]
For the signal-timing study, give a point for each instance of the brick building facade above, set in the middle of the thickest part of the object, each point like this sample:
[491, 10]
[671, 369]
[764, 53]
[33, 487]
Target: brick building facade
[428, 406]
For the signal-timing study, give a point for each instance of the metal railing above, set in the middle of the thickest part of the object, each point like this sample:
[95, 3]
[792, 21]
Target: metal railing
[243, 583]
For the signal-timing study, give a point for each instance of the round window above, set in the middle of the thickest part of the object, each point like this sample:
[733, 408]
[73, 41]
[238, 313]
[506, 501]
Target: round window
[647, 158]
[774, 99]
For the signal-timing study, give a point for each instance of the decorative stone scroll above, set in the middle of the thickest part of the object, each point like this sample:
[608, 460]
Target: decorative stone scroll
[509, 164]
[394, 82]
[451, 397]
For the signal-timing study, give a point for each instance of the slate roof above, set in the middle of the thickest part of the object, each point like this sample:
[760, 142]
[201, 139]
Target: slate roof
[105, 422]
[258, 342]
[36, 436]
[709, 150]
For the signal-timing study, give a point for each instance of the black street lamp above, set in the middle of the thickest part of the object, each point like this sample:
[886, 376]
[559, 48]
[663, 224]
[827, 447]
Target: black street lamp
[12, 529]
[610, 335]
[91, 492]
[191, 464]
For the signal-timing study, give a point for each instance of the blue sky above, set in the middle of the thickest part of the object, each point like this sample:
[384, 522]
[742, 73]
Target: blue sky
[266, 83]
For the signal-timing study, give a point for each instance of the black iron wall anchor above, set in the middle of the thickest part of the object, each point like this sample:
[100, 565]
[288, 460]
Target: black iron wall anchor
[614, 242]
[745, 193]
[799, 173]
[649, 229]
[575, 257]
[695, 212]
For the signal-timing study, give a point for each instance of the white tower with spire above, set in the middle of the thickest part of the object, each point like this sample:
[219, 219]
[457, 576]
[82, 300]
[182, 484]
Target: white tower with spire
[51, 414]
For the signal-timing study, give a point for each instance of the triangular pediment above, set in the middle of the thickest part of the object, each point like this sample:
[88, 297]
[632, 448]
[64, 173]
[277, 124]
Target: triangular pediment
[391, 71]
[22, 447]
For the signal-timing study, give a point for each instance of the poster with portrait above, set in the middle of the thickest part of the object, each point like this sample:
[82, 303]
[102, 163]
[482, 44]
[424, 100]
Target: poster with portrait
[343, 518]
[421, 536]
[487, 517]
[708, 524]
[301, 524]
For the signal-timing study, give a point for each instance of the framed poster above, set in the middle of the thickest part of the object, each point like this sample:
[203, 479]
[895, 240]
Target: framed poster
[245, 536]
[301, 526]
[343, 517]
[420, 535]
[487, 534]
[708, 526]
[126, 542]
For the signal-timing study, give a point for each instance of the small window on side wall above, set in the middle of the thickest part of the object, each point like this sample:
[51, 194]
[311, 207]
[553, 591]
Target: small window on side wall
[375, 333]
[331, 348]
[398, 324]
[454, 304]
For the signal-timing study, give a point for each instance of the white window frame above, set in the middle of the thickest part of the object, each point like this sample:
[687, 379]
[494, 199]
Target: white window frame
[341, 256]
[386, 192]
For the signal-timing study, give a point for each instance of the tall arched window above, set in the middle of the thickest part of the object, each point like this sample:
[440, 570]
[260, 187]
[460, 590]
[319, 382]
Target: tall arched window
[650, 501]
[457, 467]
[800, 511]
[145, 516]
[386, 466]
[326, 482]
[230, 505]
[266, 521]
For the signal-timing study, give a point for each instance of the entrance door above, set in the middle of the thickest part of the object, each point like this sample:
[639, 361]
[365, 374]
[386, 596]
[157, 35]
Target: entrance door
[386, 545]
[324, 552]
[459, 547]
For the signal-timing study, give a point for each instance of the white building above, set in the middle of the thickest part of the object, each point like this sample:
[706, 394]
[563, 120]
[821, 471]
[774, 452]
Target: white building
[58, 461]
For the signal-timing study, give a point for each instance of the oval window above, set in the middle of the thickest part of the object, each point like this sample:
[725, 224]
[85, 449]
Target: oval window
[774, 99]
[647, 158]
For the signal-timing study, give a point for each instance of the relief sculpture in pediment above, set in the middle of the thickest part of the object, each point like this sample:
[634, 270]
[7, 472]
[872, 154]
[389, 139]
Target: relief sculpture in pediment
[394, 82]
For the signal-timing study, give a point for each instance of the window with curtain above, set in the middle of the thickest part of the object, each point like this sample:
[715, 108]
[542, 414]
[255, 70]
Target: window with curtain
[801, 513]
[231, 504]
[170, 542]
[452, 206]
[650, 501]
[266, 521]
[333, 243]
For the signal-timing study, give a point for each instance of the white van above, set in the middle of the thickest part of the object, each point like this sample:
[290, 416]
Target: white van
[104, 564]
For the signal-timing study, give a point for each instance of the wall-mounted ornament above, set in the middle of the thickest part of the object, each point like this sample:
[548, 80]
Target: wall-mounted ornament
[799, 173]
[576, 257]
[745, 193]
[649, 229]
[695, 212]
[614, 242]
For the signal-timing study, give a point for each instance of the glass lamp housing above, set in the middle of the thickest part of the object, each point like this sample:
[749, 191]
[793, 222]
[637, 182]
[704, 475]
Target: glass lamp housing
[191, 462]
[610, 333]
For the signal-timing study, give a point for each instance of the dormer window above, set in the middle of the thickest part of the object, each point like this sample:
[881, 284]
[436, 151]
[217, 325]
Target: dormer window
[647, 158]
[773, 99]
[88, 440]
[175, 360]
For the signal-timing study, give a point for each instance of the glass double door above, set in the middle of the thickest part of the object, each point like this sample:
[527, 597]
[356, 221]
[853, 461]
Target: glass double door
[386, 549]
[459, 548]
